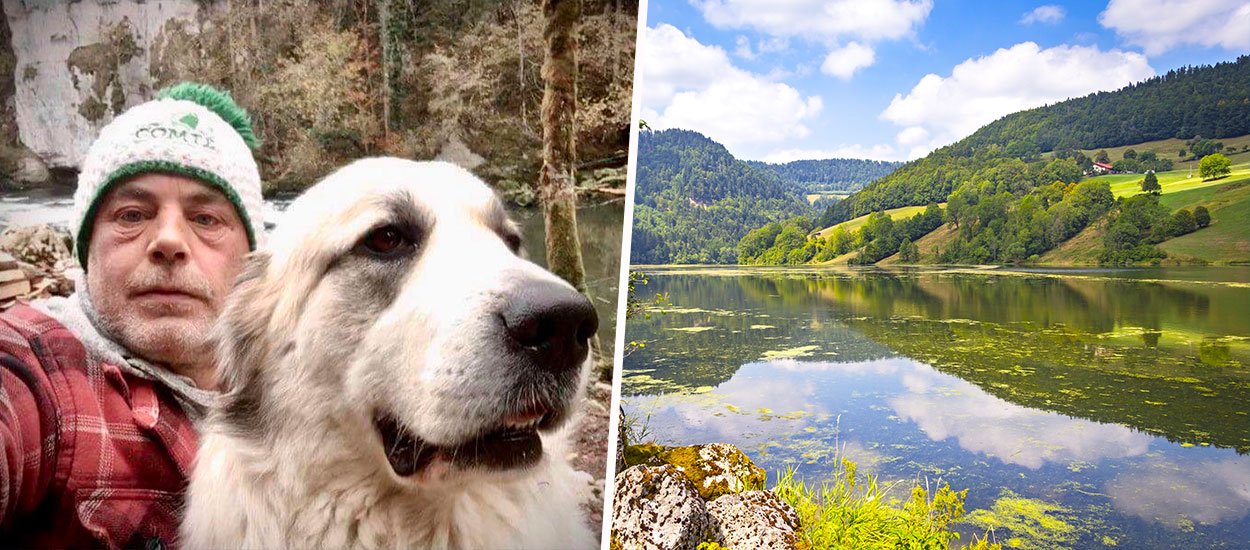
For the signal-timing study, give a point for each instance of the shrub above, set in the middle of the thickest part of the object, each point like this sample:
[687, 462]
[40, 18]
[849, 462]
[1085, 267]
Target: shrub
[1202, 217]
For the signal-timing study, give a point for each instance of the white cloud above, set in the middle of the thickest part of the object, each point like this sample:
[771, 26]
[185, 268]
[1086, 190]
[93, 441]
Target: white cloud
[1160, 25]
[773, 44]
[1049, 14]
[1172, 493]
[843, 62]
[822, 21]
[690, 85]
[948, 407]
[744, 48]
[819, 19]
[981, 90]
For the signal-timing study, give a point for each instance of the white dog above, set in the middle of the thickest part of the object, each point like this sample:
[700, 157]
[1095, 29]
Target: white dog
[395, 376]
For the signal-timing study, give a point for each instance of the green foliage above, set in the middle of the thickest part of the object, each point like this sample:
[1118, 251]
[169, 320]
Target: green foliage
[1207, 100]
[852, 512]
[1102, 157]
[1003, 229]
[635, 305]
[322, 79]
[1151, 184]
[636, 430]
[695, 202]
[827, 175]
[1213, 166]
[881, 236]
[1203, 147]
[908, 252]
[1202, 217]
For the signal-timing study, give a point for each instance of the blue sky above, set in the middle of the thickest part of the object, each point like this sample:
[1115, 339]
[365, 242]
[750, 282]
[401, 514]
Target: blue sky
[781, 80]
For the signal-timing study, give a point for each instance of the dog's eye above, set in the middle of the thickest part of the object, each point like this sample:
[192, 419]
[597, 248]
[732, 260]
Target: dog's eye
[513, 241]
[386, 242]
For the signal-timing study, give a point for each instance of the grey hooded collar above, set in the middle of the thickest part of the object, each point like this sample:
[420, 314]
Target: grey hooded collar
[77, 314]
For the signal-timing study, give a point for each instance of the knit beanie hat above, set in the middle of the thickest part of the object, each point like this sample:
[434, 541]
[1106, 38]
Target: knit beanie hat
[191, 130]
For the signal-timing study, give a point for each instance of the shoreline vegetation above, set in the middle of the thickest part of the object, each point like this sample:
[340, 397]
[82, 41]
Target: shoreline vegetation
[847, 509]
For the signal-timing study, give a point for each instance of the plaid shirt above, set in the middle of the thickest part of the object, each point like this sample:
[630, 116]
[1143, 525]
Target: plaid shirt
[89, 456]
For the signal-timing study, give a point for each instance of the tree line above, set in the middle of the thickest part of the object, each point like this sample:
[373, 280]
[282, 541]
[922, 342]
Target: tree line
[694, 201]
[1210, 100]
[336, 80]
[828, 175]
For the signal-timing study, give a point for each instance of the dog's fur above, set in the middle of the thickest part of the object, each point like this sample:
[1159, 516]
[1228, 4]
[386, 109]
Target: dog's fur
[316, 336]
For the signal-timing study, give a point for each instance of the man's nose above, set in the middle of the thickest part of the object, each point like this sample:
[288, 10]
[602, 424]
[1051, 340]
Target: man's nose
[169, 245]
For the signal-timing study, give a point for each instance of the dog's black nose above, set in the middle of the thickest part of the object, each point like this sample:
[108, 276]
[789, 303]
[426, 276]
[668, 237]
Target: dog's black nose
[552, 322]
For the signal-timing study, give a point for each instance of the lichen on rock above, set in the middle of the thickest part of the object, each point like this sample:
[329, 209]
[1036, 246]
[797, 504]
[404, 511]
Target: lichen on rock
[753, 520]
[657, 508]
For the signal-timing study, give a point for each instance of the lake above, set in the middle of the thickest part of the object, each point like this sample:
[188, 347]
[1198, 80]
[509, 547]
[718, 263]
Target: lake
[599, 224]
[1082, 408]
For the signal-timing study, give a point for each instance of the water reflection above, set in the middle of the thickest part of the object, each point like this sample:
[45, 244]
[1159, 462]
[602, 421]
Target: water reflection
[1177, 494]
[945, 406]
[1155, 357]
[1120, 399]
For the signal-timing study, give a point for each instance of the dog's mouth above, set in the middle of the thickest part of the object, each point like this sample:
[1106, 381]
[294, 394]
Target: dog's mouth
[513, 444]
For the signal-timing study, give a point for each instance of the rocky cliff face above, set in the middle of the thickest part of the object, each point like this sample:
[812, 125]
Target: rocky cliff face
[75, 65]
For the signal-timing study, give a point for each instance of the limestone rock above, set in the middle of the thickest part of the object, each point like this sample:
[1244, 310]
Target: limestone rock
[31, 171]
[753, 520]
[715, 468]
[79, 64]
[656, 508]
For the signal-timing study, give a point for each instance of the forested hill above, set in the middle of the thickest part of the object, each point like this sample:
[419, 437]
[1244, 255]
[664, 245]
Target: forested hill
[694, 201]
[826, 175]
[1211, 101]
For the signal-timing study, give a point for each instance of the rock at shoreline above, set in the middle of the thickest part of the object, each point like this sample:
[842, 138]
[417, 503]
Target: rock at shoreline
[657, 508]
[753, 520]
[716, 469]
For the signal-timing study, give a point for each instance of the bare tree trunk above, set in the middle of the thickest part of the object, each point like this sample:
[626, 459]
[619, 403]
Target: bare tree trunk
[520, 67]
[556, 181]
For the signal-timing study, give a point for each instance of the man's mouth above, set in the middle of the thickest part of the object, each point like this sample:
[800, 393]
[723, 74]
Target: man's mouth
[166, 294]
[514, 443]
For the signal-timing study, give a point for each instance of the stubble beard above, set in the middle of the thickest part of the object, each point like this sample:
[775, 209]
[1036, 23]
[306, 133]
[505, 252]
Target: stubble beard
[173, 335]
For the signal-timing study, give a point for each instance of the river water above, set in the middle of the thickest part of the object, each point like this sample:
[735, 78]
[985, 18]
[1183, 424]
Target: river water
[1083, 408]
[599, 225]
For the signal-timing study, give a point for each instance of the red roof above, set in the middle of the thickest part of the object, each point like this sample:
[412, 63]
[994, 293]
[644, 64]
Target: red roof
[1103, 165]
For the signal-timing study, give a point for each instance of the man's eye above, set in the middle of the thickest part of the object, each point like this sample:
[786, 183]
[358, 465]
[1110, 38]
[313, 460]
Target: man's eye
[206, 220]
[130, 216]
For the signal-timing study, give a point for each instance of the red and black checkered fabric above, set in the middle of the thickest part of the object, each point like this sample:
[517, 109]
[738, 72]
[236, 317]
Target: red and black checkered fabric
[89, 456]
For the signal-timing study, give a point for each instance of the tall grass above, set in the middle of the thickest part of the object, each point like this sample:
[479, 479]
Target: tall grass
[852, 511]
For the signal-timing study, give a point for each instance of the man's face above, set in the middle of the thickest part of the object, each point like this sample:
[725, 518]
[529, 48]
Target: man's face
[164, 252]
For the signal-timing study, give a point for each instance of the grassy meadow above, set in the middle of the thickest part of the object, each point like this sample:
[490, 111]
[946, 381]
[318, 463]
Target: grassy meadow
[853, 225]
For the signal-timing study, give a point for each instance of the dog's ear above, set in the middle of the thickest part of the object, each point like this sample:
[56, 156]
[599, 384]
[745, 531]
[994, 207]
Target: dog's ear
[241, 330]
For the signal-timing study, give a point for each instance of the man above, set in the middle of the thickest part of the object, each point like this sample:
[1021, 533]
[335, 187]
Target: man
[99, 392]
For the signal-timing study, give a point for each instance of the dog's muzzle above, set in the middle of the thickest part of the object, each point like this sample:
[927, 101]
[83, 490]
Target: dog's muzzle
[547, 328]
[551, 324]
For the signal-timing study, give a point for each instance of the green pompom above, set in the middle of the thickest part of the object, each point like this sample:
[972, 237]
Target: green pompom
[217, 101]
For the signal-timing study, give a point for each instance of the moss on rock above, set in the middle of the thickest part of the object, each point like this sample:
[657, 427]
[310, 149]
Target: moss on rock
[715, 469]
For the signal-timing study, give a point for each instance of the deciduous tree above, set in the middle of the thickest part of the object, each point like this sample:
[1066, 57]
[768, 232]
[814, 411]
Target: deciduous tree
[1213, 166]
